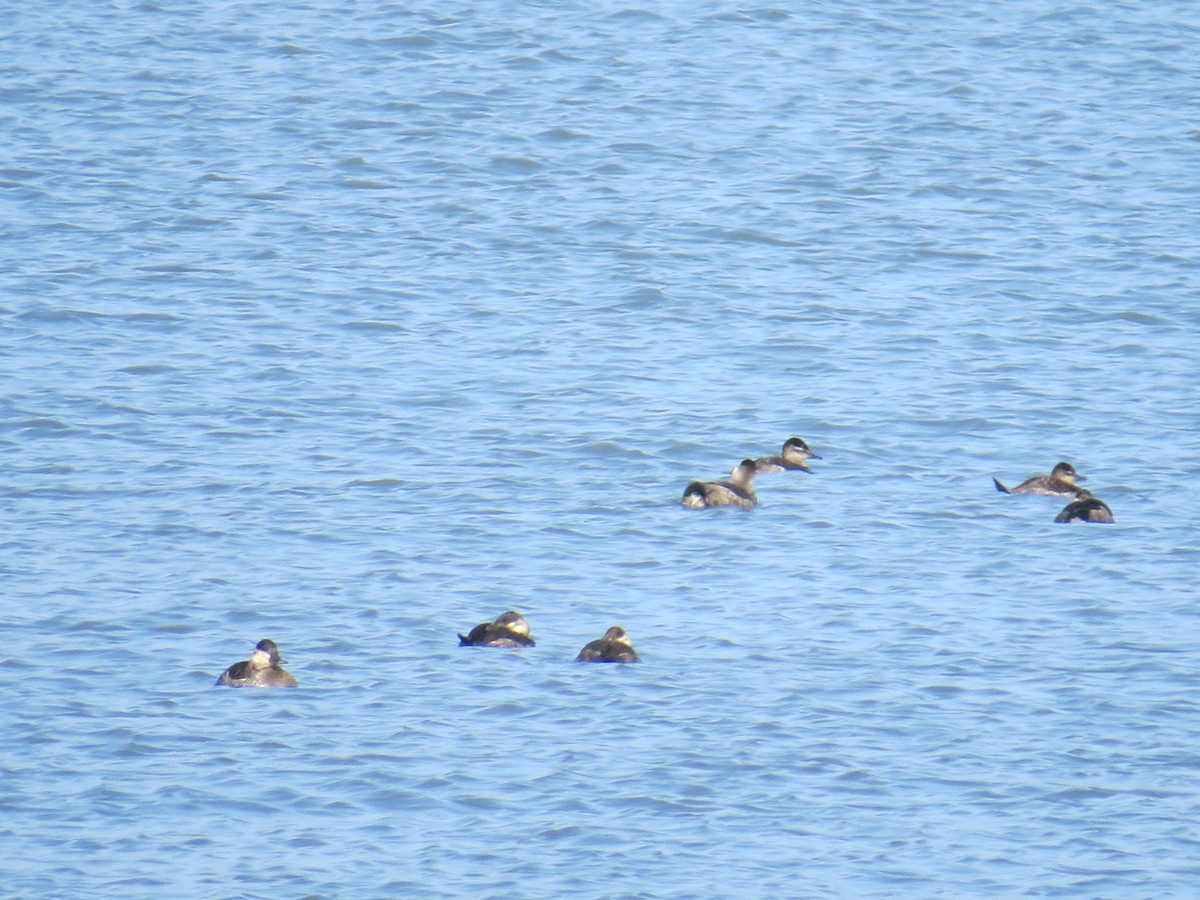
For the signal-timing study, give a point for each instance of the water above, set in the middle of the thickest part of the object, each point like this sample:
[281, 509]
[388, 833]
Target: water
[354, 325]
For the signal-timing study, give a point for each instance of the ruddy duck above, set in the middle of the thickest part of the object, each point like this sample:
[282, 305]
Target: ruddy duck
[615, 646]
[262, 669]
[738, 491]
[1086, 507]
[1059, 483]
[795, 454]
[509, 630]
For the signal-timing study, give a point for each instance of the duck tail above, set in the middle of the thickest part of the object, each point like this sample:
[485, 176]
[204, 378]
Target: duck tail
[1001, 488]
[693, 496]
[463, 640]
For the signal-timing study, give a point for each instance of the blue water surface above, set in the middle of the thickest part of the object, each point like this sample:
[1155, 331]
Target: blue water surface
[353, 325]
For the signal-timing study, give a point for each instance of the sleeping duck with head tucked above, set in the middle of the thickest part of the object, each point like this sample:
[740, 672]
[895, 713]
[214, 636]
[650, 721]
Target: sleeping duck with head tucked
[1059, 483]
[1086, 507]
[509, 629]
[614, 647]
[737, 491]
[795, 456]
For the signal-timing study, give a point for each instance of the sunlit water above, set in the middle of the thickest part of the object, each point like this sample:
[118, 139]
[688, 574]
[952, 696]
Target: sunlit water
[354, 325]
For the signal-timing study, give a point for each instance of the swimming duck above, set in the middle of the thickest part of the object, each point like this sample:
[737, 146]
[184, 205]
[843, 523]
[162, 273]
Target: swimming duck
[794, 456]
[615, 646]
[1059, 483]
[1086, 507]
[262, 669]
[738, 491]
[510, 629]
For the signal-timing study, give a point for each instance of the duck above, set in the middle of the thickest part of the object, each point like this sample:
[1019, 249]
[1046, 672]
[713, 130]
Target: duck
[1086, 507]
[509, 629]
[263, 669]
[793, 457]
[738, 491]
[614, 647]
[1059, 483]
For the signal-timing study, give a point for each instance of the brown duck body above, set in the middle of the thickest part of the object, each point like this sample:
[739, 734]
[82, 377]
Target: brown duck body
[795, 457]
[1059, 483]
[510, 629]
[261, 670]
[614, 647]
[738, 491]
[1086, 508]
